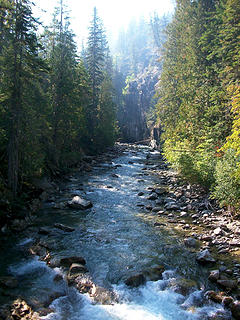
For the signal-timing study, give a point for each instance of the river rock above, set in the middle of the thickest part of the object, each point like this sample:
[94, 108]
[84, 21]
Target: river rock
[104, 296]
[205, 257]
[156, 209]
[135, 281]
[154, 274]
[79, 203]
[43, 231]
[229, 284]
[8, 282]
[84, 284]
[77, 268]
[218, 231]
[234, 243]
[235, 309]
[172, 206]
[152, 197]
[183, 286]
[63, 227]
[190, 242]
[227, 300]
[160, 191]
[43, 312]
[214, 296]
[140, 194]
[74, 272]
[18, 310]
[68, 261]
[214, 275]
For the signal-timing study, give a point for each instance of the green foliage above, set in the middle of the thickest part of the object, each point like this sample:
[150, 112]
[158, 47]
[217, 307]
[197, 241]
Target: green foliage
[227, 175]
[199, 85]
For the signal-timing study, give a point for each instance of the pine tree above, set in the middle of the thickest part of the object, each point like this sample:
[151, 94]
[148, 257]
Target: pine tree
[99, 66]
[20, 69]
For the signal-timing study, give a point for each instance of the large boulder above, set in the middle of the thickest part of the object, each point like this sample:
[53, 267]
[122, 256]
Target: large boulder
[79, 203]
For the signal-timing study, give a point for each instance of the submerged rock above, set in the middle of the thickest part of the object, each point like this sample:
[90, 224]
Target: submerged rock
[63, 227]
[79, 203]
[135, 281]
[8, 282]
[154, 274]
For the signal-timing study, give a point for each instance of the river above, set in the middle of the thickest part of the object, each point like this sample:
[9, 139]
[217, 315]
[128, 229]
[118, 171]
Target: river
[118, 238]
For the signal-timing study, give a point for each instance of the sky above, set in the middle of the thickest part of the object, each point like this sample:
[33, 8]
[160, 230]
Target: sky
[116, 14]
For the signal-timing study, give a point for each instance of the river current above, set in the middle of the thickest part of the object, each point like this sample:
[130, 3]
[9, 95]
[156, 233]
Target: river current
[118, 238]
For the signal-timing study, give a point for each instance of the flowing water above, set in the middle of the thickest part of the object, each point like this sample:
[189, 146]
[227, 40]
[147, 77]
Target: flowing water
[118, 239]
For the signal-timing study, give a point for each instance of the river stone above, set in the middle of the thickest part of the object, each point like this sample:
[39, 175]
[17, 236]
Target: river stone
[234, 243]
[79, 203]
[135, 281]
[104, 296]
[214, 275]
[68, 261]
[154, 274]
[156, 209]
[43, 231]
[160, 191]
[218, 231]
[140, 194]
[227, 300]
[171, 206]
[63, 227]
[152, 197]
[214, 296]
[190, 242]
[235, 309]
[8, 282]
[84, 284]
[205, 257]
[183, 286]
[77, 268]
[229, 284]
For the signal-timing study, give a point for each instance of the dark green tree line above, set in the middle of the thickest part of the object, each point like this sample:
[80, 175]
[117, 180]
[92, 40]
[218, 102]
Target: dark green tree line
[52, 105]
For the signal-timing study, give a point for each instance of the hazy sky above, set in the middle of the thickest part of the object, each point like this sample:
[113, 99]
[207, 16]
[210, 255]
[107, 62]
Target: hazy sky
[114, 13]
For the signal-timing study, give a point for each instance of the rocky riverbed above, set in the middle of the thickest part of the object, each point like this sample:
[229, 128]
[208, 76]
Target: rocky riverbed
[122, 231]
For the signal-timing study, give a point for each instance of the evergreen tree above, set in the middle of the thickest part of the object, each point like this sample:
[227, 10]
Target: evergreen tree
[21, 68]
[99, 66]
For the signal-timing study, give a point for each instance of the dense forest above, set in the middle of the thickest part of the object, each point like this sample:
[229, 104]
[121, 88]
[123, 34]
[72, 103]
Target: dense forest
[179, 73]
[199, 96]
[55, 106]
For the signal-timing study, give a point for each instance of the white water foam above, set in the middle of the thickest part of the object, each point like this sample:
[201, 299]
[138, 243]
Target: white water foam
[149, 302]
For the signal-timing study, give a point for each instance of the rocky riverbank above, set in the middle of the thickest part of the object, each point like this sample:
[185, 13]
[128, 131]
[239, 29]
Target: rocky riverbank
[209, 233]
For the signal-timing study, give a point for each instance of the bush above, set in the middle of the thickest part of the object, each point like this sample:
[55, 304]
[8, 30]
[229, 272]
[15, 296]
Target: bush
[227, 175]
